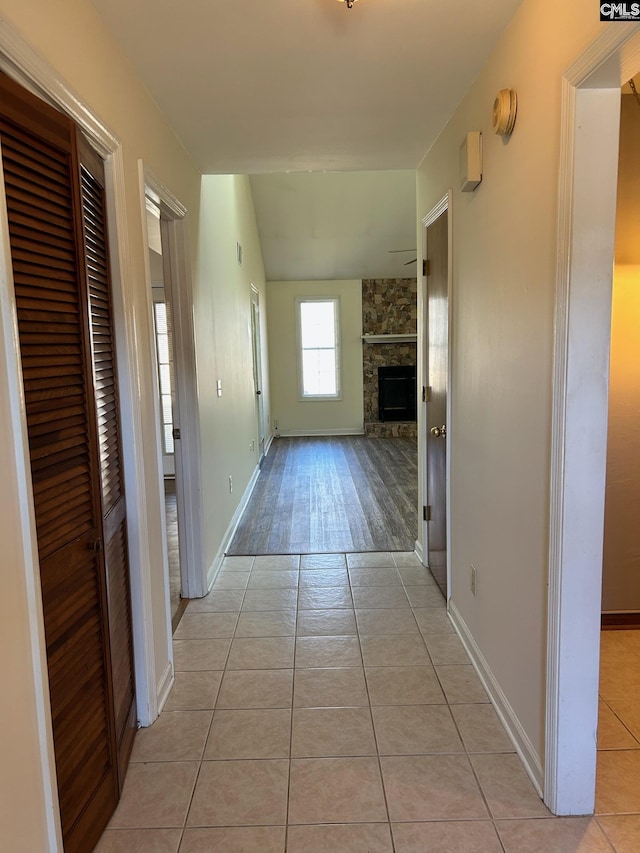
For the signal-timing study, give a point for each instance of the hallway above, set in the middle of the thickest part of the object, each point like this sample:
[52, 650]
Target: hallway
[324, 703]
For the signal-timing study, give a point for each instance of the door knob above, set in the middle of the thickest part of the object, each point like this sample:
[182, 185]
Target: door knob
[439, 432]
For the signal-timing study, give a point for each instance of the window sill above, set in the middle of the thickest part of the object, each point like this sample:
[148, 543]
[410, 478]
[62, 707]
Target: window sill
[389, 339]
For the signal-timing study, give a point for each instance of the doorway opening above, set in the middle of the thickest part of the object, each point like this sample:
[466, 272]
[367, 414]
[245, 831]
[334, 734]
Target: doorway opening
[586, 229]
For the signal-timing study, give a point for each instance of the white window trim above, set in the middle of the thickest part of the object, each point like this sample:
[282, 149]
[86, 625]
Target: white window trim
[312, 398]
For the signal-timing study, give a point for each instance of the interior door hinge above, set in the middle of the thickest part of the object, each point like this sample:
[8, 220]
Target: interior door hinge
[426, 268]
[426, 393]
[176, 433]
[426, 513]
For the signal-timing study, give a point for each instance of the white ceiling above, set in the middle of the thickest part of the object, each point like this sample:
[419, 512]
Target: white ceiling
[262, 87]
[336, 225]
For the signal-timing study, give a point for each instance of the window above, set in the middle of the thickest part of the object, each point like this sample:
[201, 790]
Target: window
[318, 348]
[164, 374]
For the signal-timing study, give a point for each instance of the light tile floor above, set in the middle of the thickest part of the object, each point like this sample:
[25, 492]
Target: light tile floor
[325, 703]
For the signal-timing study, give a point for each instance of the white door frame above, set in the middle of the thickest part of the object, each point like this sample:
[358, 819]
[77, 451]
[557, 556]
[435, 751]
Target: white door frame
[422, 545]
[178, 293]
[586, 230]
[256, 343]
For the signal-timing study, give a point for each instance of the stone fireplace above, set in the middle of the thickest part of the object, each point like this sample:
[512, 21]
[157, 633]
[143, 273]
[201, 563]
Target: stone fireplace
[389, 323]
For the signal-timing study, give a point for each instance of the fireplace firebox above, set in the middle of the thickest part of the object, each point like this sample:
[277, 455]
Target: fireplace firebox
[397, 393]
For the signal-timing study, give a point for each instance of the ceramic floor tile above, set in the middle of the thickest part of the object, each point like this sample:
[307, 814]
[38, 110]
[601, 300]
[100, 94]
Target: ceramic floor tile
[206, 626]
[432, 621]
[174, 736]
[139, 841]
[507, 788]
[445, 649]
[386, 622]
[325, 598]
[237, 564]
[240, 793]
[155, 795]
[561, 835]
[617, 786]
[324, 577]
[323, 561]
[408, 559]
[431, 787]
[219, 600]
[273, 580]
[481, 729]
[269, 599]
[336, 790]
[340, 838]
[394, 650]
[328, 651]
[326, 623]
[194, 691]
[374, 577]
[612, 733]
[234, 839]
[276, 562]
[262, 688]
[328, 732]
[198, 655]
[374, 597]
[415, 730]
[258, 733]
[461, 685]
[417, 577]
[261, 653]
[628, 712]
[267, 623]
[623, 831]
[471, 836]
[231, 580]
[403, 685]
[336, 687]
[425, 596]
[373, 560]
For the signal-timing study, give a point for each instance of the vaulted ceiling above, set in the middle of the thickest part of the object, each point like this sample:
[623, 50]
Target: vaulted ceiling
[278, 86]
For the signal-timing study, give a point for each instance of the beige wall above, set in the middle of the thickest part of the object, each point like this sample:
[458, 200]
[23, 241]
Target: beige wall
[222, 309]
[304, 417]
[504, 237]
[621, 567]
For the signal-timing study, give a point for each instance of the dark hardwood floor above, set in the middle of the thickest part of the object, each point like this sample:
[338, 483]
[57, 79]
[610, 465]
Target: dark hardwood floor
[332, 494]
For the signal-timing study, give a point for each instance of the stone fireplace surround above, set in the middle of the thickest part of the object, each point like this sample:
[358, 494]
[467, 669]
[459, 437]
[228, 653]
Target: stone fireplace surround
[389, 307]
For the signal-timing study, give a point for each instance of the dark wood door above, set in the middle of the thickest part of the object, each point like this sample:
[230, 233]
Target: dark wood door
[437, 373]
[44, 211]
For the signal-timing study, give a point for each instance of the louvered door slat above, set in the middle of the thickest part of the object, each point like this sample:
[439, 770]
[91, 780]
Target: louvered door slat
[112, 484]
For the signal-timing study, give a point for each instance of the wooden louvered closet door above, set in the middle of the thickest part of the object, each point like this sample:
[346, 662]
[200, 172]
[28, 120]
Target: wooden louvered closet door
[40, 166]
[111, 474]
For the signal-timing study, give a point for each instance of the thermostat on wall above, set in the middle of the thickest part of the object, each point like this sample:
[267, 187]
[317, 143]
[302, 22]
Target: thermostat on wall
[471, 161]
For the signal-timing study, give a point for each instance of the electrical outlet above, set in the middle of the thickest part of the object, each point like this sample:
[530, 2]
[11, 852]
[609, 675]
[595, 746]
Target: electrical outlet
[474, 579]
[230, 483]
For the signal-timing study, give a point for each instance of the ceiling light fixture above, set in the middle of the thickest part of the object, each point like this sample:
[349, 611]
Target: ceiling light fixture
[348, 2]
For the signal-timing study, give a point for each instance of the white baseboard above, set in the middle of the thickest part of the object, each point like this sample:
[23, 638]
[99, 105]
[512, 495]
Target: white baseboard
[268, 444]
[420, 552]
[517, 735]
[313, 432]
[164, 687]
[214, 568]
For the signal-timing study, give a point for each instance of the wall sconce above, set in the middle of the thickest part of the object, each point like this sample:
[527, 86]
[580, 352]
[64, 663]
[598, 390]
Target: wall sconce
[505, 107]
[348, 2]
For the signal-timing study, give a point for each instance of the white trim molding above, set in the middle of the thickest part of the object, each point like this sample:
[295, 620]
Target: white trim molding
[585, 247]
[508, 717]
[313, 432]
[214, 568]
